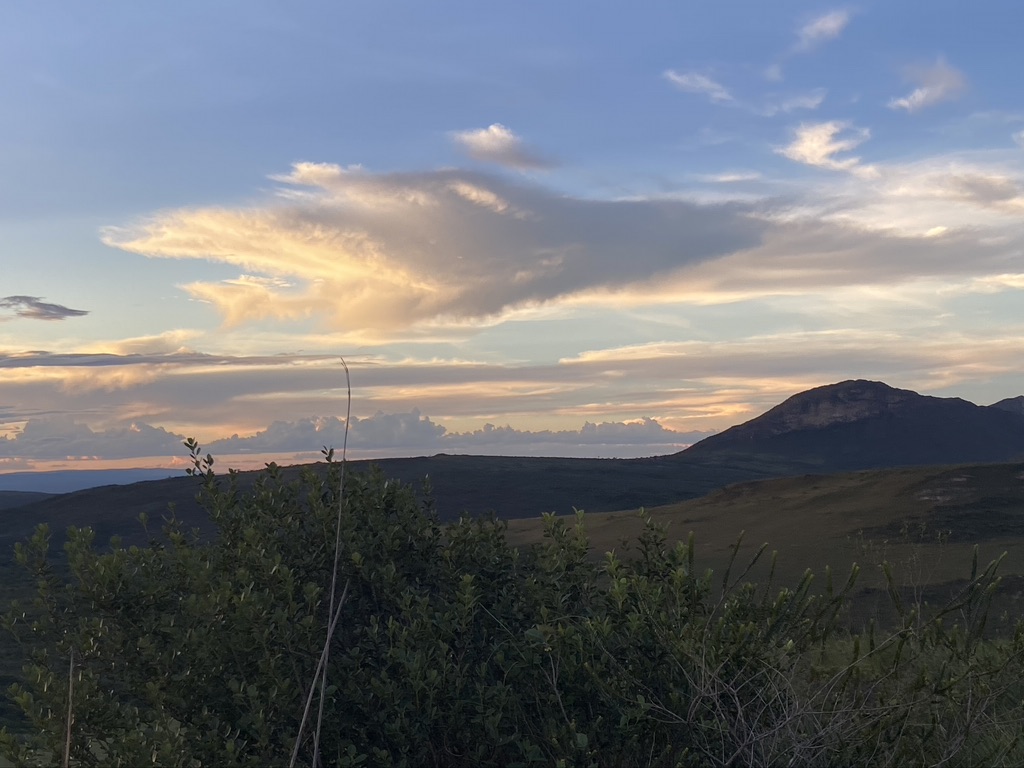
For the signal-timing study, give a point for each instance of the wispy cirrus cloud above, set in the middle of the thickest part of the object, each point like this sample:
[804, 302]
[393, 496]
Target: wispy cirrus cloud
[820, 29]
[810, 100]
[34, 308]
[499, 145]
[810, 35]
[694, 82]
[935, 83]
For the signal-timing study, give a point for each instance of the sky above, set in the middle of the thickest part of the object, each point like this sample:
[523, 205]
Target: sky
[532, 228]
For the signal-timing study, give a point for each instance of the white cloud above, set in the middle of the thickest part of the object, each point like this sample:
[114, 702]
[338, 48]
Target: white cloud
[773, 73]
[1018, 138]
[693, 82]
[497, 144]
[818, 144]
[822, 28]
[935, 83]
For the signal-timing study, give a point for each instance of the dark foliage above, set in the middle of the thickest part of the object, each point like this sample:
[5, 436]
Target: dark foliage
[455, 649]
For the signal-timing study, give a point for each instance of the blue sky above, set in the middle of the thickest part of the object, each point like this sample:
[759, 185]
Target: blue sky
[564, 228]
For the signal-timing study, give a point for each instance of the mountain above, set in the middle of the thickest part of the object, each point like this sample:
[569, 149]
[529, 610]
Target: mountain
[1011, 404]
[867, 424]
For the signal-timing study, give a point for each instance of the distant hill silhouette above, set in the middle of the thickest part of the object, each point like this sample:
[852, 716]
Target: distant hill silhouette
[69, 480]
[867, 424]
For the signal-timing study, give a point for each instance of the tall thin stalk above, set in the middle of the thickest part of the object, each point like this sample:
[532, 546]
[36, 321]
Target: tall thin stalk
[333, 610]
[71, 690]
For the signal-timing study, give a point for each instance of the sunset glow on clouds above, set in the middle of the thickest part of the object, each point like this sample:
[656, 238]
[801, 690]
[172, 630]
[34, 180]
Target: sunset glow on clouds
[526, 235]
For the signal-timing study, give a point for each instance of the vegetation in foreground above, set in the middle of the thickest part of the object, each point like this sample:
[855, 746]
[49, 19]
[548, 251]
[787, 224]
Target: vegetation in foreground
[455, 648]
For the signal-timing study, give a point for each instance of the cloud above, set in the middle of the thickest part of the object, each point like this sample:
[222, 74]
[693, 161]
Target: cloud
[497, 144]
[977, 200]
[877, 325]
[172, 341]
[410, 430]
[414, 432]
[62, 437]
[810, 101]
[818, 144]
[729, 177]
[693, 82]
[822, 28]
[382, 252]
[936, 83]
[34, 308]
[1018, 138]
[58, 438]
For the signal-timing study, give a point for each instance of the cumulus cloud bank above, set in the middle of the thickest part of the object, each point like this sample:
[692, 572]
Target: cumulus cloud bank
[62, 438]
[387, 251]
[34, 308]
[412, 431]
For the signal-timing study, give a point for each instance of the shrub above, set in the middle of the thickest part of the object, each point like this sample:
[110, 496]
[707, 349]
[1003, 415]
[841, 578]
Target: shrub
[455, 649]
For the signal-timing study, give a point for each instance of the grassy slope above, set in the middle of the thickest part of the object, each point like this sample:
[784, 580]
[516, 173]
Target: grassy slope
[836, 520]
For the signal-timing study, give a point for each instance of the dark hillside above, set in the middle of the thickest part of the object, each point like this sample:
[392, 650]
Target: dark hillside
[474, 485]
[12, 499]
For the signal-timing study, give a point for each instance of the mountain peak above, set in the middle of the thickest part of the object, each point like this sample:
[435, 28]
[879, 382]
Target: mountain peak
[842, 403]
[859, 424]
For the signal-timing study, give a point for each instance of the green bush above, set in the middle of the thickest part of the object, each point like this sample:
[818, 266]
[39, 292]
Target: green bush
[455, 649]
